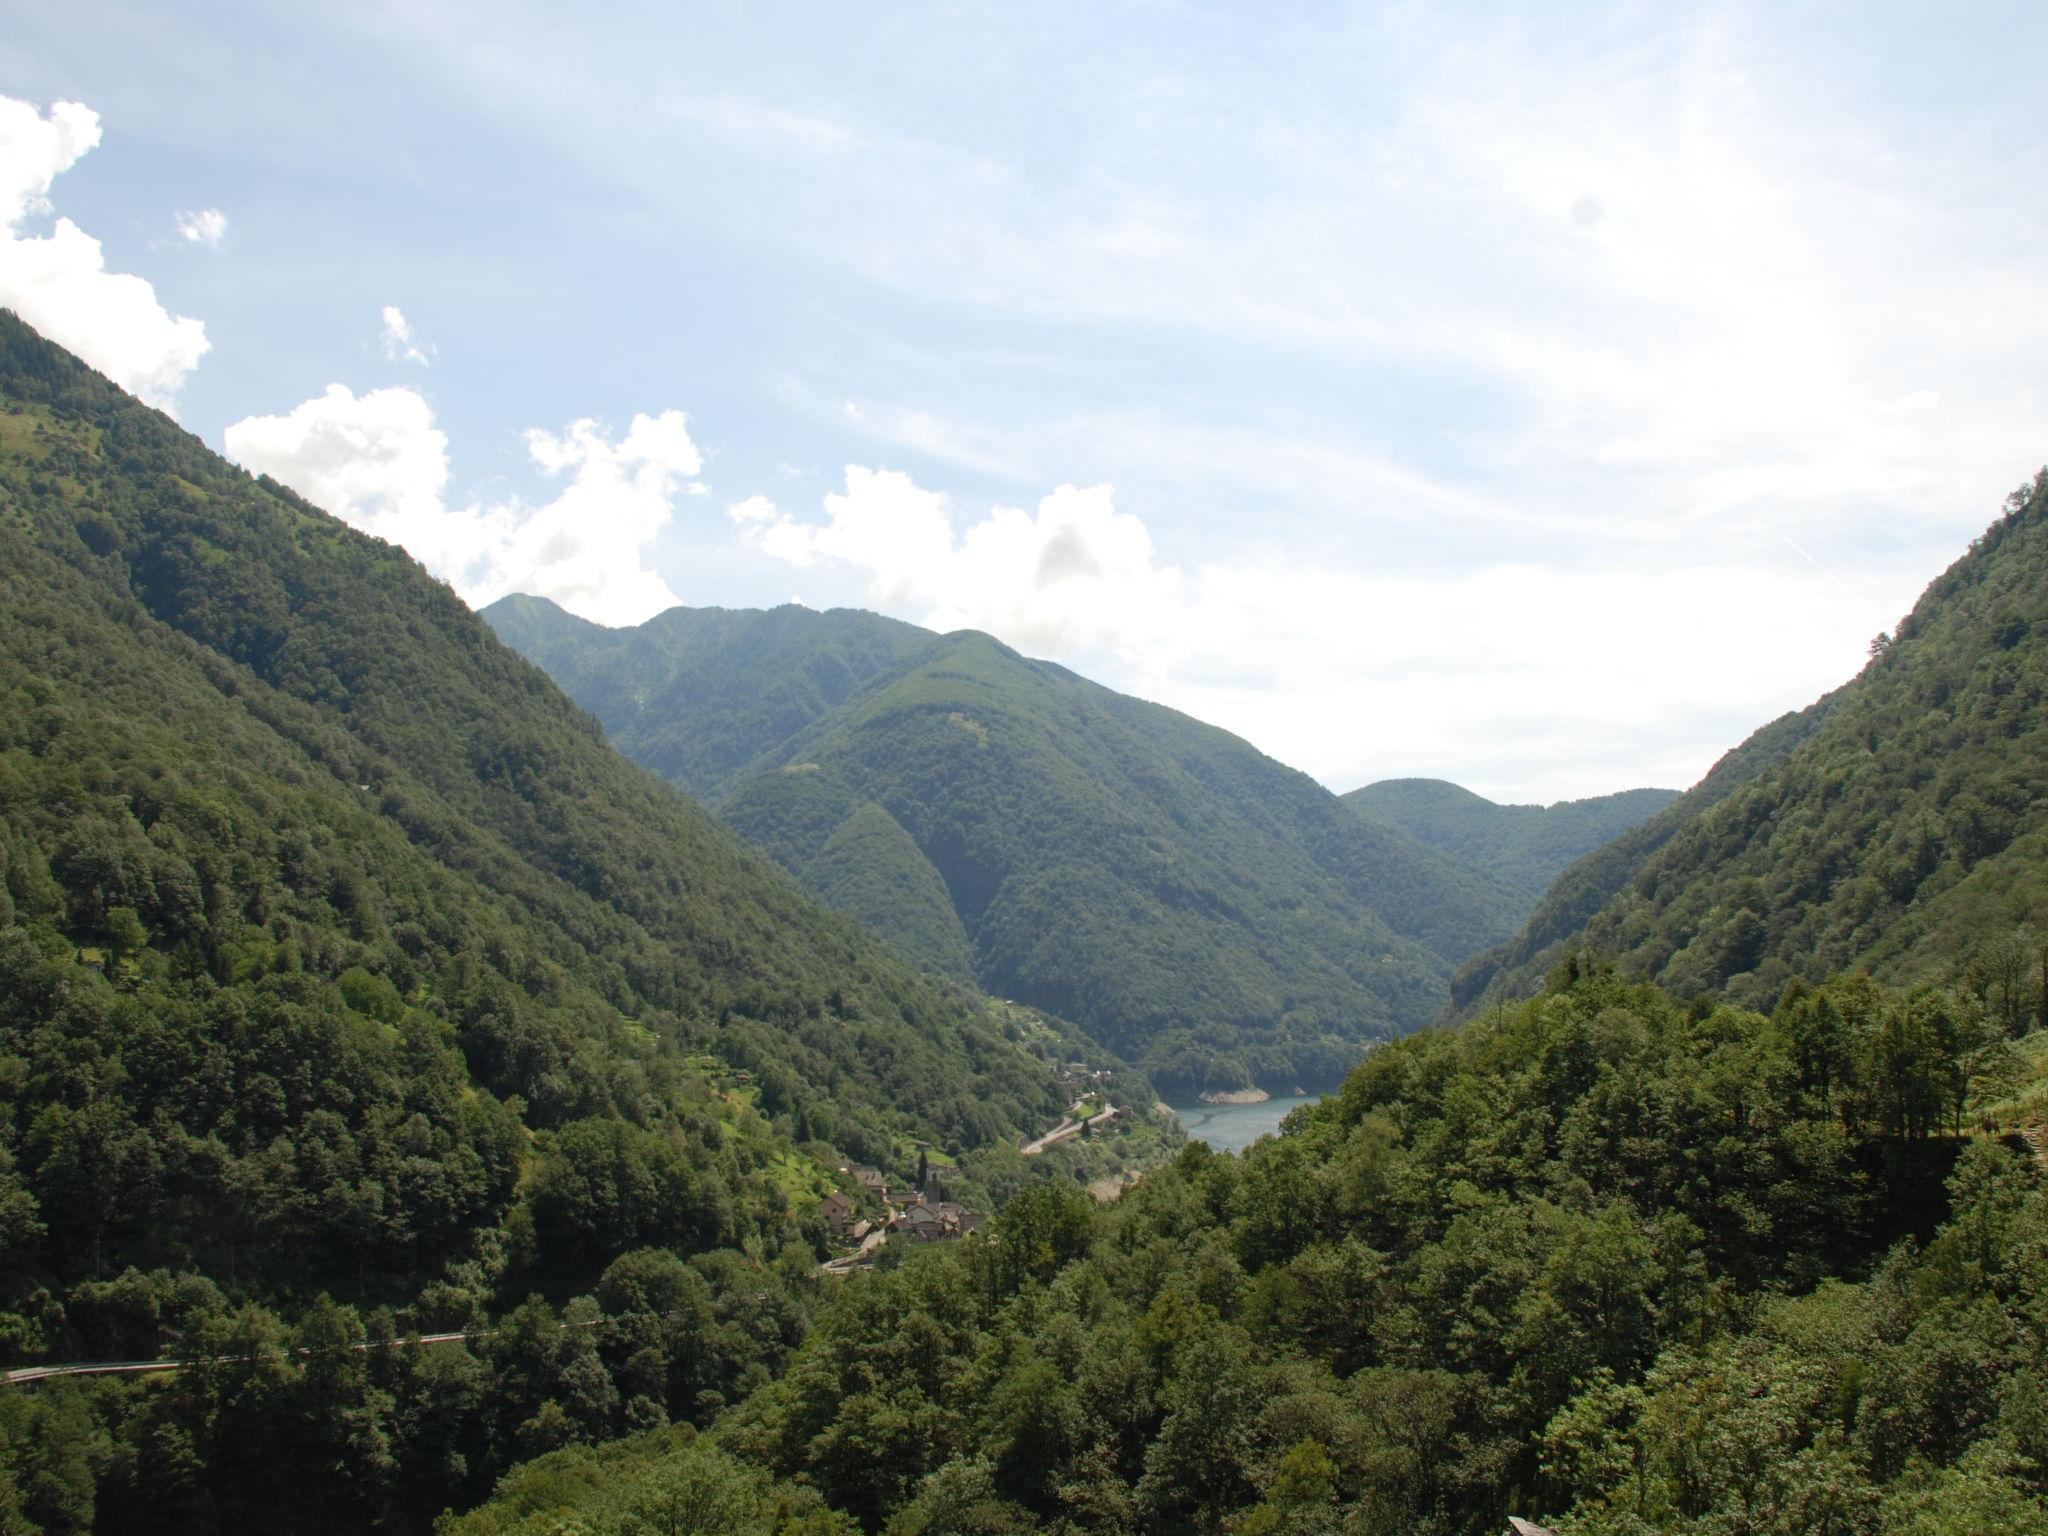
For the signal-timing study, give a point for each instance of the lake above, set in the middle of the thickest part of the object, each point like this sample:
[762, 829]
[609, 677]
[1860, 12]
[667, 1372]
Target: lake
[1233, 1127]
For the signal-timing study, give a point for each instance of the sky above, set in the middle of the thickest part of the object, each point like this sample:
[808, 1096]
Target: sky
[1536, 396]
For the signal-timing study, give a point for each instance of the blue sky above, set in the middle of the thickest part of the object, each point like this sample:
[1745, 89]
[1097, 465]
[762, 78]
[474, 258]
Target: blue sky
[1540, 397]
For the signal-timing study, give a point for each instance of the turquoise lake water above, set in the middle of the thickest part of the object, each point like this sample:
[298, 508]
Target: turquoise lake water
[1233, 1127]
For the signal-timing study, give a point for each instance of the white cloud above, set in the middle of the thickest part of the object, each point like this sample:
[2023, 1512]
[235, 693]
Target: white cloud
[378, 461]
[1074, 577]
[1538, 680]
[400, 343]
[204, 226]
[58, 282]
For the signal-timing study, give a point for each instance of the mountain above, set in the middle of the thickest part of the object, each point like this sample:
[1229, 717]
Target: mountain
[311, 887]
[1606, 1259]
[1517, 968]
[1187, 900]
[1898, 825]
[1525, 846]
[704, 695]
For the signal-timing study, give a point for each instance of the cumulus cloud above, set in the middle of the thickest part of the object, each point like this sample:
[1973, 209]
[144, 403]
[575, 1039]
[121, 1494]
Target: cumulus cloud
[204, 226]
[1073, 576]
[379, 462]
[400, 343]
[58, 282]
[1537, 679]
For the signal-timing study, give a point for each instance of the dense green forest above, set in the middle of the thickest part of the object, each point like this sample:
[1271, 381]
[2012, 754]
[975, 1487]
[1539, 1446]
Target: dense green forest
[352, 989]
[1518, 967]
[350, 984]
[706, 696]
[1899, 826]
[1526, 846]
[1606, 1259]
[1187, 900]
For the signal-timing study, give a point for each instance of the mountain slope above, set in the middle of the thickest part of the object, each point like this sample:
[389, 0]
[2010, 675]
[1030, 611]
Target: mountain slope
[841, 846]
[1604, 1259]
[330, 925]
[1158, 881]
[1517, 968]
[701, 694]
[1527, 846]
[1899, 825]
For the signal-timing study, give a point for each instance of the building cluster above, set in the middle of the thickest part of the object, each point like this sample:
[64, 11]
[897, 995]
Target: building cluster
[1078, 1076]
[935, 1221]
[925, 1217]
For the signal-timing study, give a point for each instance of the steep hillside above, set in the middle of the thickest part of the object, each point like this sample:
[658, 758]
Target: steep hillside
[1180, 895]
[869, 866]
[1603, 1260]
[1525, 846]
[700, 695]
[340, 950]
[1900, 824]
[1517, 968]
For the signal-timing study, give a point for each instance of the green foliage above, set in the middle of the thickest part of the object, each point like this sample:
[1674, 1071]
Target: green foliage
[1525, 846]
[1183, 898]
[350, 985]
[1518, 967]
[857, 860]
[1903, 833]
[1650, 1267]
[666, 1483]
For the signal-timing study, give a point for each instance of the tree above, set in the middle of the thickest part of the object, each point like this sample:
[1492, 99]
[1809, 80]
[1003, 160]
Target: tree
[125, 934]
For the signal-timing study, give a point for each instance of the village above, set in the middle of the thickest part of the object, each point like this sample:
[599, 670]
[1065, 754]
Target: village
[926, 1215]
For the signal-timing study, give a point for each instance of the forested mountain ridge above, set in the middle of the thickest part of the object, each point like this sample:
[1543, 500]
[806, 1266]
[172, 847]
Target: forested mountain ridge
[1517, 968]
[467, 751]
[350, 986]
[704, 696]
[1622, 1264]
[1527, 846]
[341, 957]
[1177, 893]
[1904, 831]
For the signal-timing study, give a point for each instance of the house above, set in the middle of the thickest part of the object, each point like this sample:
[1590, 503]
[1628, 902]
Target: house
[915, 1215]
[936, 1222]
[837, 1211]
[1109, 1117]
[869, 1179]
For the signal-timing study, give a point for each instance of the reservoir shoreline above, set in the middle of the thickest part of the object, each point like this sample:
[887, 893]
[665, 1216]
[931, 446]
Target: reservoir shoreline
[1233, 1127]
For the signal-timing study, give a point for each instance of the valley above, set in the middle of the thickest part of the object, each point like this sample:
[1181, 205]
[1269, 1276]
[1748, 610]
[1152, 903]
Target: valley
[1215, 917]
[419, 1116]
[953, 770]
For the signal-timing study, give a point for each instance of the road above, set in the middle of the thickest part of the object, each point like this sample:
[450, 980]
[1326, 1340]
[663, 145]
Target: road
[1068, 1127]
[29, 1375]
[1058, 1133]
[846, 1263]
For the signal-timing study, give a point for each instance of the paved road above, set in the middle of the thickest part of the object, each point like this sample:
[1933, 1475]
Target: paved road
[847, 1262]
[1058, 1133]
[29, 1375]
[1067, 1128]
